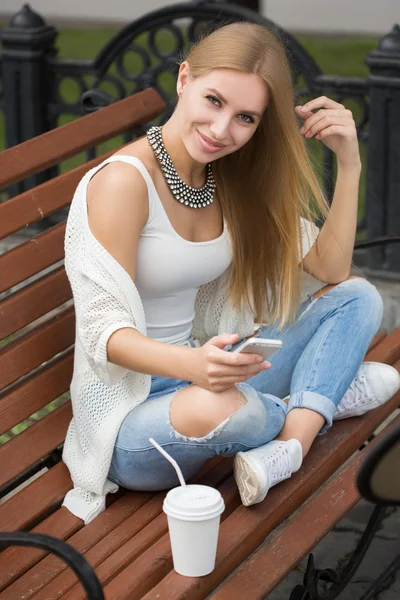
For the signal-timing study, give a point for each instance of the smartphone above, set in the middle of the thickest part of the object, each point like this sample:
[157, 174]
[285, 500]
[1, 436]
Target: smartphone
[261, 346]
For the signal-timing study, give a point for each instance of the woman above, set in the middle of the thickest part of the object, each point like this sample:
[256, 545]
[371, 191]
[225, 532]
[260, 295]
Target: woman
[189, 240]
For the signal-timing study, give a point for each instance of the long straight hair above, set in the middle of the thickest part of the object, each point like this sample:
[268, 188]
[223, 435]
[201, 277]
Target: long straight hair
[266, 186]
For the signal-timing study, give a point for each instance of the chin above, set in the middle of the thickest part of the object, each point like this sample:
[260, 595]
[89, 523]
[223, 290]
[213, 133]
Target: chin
[196, 154]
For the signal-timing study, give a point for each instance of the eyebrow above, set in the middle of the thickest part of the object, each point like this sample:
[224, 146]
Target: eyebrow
[250, 112]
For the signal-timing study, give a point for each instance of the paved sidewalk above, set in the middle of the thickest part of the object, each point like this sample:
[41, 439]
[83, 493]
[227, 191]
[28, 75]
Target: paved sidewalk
[390, 292]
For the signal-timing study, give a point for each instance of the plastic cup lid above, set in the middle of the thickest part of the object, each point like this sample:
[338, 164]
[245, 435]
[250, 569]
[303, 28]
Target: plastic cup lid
[193, 502]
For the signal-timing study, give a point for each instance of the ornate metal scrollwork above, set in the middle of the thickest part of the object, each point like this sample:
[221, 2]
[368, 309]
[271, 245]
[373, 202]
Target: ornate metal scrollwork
[63, 550]
[143, 44]
[311, 588]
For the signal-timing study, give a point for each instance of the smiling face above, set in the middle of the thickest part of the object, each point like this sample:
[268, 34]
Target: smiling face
[220, 111]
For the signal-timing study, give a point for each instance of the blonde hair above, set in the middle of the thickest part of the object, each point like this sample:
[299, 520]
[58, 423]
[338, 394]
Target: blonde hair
[266, 186]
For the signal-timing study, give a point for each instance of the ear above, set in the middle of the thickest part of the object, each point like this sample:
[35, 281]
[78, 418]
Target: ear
[183, 77]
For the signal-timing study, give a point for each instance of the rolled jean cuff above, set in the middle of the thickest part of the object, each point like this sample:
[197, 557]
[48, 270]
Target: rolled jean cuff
[314, 401]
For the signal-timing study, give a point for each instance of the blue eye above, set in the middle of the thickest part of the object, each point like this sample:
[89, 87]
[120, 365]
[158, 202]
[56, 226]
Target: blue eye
[251, 120]
[217, 102]
[212, 98]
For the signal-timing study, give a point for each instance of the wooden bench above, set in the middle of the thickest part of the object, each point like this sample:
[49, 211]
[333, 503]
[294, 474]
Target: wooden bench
[128, 544]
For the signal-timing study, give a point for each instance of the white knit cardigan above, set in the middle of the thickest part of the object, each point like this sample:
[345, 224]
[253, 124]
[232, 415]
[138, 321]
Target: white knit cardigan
[102, 393]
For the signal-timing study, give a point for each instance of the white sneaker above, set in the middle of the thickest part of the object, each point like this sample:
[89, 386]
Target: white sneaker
[257, 470]
[374, 384]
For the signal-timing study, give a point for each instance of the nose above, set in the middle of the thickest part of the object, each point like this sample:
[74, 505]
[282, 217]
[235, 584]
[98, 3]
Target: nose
[219, 128]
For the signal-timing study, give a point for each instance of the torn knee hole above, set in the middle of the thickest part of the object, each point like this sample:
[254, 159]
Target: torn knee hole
[187, 430]
[241, 398]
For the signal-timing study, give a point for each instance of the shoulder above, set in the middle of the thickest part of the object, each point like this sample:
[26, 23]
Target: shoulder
[118, 190]
[142, 150]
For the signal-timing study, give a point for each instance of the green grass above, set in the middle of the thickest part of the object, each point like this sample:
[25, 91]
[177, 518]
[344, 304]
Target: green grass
[340, 55]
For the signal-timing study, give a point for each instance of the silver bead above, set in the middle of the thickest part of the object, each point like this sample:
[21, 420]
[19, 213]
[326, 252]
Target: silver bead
[193, 197]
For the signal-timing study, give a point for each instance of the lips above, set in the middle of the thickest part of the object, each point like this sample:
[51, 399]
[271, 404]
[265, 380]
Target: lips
[210, 141]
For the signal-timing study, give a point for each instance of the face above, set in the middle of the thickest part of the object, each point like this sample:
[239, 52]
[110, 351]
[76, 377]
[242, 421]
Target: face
[220, 111]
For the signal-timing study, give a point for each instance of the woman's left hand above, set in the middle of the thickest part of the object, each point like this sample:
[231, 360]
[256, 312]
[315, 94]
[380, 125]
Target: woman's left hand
[334, 125]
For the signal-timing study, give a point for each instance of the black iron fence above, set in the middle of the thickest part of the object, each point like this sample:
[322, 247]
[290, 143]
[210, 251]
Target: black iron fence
[145, 53]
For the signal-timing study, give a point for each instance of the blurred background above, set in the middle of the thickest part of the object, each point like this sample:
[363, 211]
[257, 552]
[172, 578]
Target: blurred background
[318, 16]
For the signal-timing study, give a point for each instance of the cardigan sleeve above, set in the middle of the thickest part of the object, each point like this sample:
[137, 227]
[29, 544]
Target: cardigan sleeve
[98, 315]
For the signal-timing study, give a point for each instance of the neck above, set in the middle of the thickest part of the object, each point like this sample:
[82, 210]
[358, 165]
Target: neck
[192, 172]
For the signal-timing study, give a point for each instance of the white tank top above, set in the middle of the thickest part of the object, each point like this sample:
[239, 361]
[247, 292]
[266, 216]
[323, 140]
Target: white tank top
[170, 269]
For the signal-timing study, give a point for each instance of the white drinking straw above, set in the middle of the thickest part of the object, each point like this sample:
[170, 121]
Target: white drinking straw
[171, 460]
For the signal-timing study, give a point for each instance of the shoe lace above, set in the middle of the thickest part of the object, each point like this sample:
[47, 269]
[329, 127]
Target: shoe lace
[279, 460]
[358, 393]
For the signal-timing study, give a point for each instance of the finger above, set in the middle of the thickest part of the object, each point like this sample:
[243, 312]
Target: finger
[242, 373]
[220, 341]
[250, 370]
[331, 130]
[234, 358]
[321, 102]
[325, 122]
[315, 117]
[303, 114]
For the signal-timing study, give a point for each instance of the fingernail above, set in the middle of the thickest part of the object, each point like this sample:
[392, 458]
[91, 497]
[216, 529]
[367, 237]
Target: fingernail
[302, 130]
[304, 108]
[267, 364]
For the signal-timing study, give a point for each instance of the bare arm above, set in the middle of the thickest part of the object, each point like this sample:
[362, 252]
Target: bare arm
[117, 211]
[334, 125]
[337, 236]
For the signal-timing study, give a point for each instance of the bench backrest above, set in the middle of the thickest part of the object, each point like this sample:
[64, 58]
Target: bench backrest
[36, 309]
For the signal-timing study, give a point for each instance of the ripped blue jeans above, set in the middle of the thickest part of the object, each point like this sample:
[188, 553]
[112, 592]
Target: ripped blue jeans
[322, 352]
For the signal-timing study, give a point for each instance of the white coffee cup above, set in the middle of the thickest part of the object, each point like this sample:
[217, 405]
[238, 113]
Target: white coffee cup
[194, 513]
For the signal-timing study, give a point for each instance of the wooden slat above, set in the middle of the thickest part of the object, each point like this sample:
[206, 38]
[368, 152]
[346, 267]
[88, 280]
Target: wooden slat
[52, 147]
[388, 350]
[14, 561]
[31, 257]
[33, 301]
[34, 443]
[247, 527]
[36, 501]
[43, 200]
[37, 346]
[31, 395]
[378, 338]
[280, 554]
[100, 538]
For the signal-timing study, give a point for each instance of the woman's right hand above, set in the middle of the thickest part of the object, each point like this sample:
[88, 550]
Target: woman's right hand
[216, 370]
